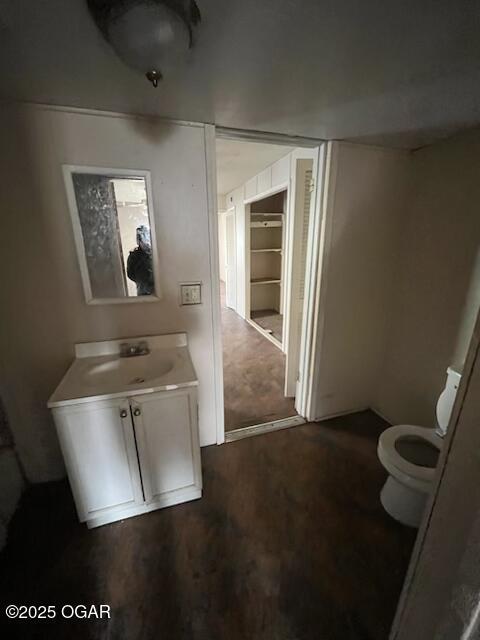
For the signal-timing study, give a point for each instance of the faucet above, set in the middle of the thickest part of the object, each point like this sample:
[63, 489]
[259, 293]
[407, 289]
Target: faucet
[131, 349]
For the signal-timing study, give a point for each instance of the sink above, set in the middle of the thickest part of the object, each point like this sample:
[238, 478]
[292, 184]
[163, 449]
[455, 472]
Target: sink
[129, 371]
[99, 372]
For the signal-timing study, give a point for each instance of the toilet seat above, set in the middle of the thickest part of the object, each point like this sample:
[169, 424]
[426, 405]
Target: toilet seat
[412, 475]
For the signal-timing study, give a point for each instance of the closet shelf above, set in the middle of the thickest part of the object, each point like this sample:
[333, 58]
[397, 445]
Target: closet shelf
[253, 213]
[272, 280]
[276, 250]
[266, 223]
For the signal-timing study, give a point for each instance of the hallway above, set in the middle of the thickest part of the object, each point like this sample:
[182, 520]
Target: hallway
[253, 374]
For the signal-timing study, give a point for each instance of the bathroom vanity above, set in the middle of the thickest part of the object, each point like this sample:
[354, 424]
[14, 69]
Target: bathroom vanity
[128, 427]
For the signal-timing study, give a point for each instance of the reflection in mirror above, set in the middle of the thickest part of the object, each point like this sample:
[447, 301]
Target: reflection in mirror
[112, 218]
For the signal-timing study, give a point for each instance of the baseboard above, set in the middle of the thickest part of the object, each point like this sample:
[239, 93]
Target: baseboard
[265, 427]
[265, 333]
[381, 415]
[346, 413]
[339, 414]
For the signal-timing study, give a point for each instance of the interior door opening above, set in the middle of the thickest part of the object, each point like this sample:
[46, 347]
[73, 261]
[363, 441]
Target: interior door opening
[265, 195]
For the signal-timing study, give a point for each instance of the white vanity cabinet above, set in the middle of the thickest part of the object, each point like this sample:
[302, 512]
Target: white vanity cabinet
[98, 446]
[168, 446]
[131, 455]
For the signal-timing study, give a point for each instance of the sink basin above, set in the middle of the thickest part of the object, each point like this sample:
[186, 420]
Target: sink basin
[98, 372]
[129, 371]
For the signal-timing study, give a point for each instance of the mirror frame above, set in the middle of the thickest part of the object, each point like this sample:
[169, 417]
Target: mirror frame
[68, 170]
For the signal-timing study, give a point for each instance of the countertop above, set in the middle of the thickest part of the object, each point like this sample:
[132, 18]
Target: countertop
[99, 373]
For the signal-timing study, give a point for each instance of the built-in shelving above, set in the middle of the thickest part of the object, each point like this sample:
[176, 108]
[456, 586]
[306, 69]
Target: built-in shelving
[272, 280]
[267, 237]
[280, 215]
[266, 223]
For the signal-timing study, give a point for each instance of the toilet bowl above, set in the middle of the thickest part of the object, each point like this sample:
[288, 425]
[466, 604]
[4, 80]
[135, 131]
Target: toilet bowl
[410, 454]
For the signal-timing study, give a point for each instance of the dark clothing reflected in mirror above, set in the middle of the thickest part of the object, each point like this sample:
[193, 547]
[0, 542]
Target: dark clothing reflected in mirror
[139, 269]
[139, 263]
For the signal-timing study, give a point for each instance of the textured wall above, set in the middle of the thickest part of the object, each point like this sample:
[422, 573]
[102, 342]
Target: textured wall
[43, 308]
[364, 207]
[437, 280]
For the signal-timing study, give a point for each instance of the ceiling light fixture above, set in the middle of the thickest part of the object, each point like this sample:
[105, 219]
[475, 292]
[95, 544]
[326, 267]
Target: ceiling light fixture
[153, 36]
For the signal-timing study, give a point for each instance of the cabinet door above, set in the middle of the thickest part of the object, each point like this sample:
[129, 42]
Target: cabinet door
[251, 189]
[264, 180]
[281, 171]
[98, 445]
[167, 438]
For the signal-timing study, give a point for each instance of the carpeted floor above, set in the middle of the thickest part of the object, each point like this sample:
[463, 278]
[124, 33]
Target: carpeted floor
[271, 321]
[253, 374]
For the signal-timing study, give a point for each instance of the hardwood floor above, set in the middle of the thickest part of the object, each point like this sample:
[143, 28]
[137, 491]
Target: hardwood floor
[289, 542]
[253, 374]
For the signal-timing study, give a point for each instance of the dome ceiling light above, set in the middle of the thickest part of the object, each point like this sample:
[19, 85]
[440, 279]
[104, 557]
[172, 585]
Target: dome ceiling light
[152, 36]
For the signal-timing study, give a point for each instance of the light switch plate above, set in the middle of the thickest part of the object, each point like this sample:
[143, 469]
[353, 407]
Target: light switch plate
[190, 293]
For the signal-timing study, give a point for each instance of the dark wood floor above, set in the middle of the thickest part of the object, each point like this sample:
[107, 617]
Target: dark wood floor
[289, 542]
[253, 374]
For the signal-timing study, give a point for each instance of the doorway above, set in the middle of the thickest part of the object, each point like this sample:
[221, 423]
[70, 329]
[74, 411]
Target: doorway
[266, 199]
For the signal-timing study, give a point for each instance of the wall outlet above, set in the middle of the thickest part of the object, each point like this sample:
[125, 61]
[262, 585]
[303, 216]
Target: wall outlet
[191, 293]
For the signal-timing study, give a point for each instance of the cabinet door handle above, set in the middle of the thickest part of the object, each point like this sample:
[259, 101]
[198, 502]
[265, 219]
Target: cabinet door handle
[136, 411]
[123, 413]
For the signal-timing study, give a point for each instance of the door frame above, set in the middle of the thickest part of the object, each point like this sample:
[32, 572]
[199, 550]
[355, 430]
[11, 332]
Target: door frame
[231, 213]
[311, 280]
[292, 268]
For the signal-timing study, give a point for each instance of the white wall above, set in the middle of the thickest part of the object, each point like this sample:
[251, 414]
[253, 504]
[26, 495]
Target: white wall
[437, 280]
[362, 208]
[43, 307]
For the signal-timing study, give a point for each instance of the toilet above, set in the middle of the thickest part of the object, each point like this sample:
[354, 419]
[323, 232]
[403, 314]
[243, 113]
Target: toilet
[410, 454]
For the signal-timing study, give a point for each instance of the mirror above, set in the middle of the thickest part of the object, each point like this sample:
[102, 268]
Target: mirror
[113, 224]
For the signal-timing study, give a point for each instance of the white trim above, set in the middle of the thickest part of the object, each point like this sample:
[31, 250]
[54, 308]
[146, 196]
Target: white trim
[103, 113]
[339, 414]
[265, 427]
[211, 178]
[228, 133]
[231, 213]
[308, 361]
[326, 207]
[292, 333]
[311, 305]
[323, 232]
[113, 172]
[284, 186]
[265, 333]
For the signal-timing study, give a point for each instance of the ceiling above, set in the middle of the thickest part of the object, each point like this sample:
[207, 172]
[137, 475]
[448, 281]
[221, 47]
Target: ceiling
[394, 73]
[237, 162]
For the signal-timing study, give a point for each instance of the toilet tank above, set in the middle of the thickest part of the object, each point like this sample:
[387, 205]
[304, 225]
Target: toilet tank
[446, 400]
